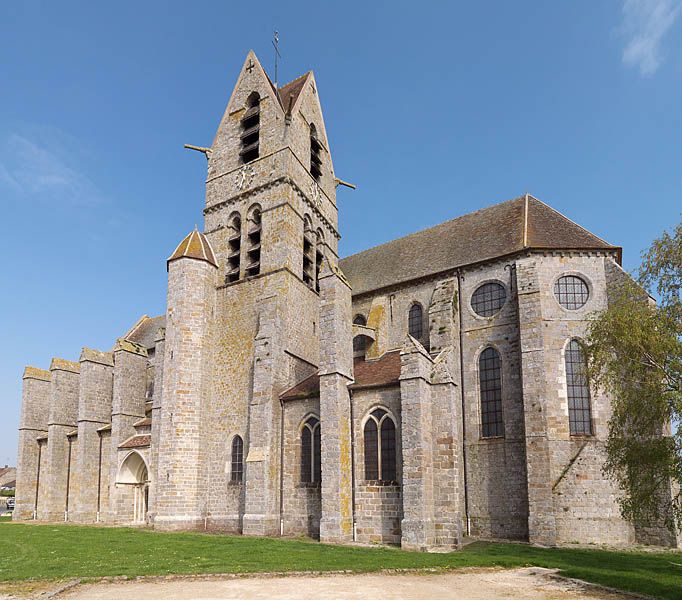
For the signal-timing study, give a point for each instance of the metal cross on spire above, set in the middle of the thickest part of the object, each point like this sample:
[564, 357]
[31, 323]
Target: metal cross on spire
[275, 43]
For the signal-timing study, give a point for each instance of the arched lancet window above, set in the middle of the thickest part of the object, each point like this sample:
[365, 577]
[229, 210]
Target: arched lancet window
[234, 251]
[359, 341]
[490, 379]
[308, 252]
[578, 388]
[319, 257]
[415, 325]
[315, 157]
[237, 459]
[311, 467]
[254, 238]
[250, 129]
[380, 446]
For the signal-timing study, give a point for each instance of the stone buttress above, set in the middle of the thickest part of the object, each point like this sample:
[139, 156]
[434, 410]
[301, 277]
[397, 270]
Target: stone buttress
[336, 372]
[431, 427]
[62, 420]
[33, 425]
[128, 407]
[94, 411]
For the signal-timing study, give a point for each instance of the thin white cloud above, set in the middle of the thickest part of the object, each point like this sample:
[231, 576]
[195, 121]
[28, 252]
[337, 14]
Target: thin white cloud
[42, 167]
[645, 22]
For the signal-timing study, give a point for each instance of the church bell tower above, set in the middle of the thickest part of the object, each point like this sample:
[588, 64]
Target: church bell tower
[270, 222]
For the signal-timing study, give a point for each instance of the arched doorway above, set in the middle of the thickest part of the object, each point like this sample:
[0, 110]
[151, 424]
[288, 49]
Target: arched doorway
[134, 473]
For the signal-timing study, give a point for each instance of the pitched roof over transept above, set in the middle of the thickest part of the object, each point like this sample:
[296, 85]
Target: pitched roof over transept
[145, 331]
[376, 373]
[499, 230]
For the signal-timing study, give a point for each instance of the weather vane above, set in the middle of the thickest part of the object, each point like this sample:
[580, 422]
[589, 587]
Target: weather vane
[275, 43]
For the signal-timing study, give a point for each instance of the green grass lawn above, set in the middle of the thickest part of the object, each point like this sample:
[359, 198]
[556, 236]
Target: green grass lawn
[66, 551]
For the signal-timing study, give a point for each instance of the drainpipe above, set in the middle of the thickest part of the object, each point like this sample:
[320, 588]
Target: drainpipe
[99, 480]
[35, 503]
[281, 468]
[352, 463]
[68, 482]
[464, 427]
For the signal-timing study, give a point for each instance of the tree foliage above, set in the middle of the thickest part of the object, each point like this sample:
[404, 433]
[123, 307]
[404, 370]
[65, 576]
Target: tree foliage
[635, 354]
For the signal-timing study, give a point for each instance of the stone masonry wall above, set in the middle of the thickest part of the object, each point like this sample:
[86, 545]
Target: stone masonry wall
[388, 311]
[569, 497]
[496, 472]
[302, 502]
[378, 505]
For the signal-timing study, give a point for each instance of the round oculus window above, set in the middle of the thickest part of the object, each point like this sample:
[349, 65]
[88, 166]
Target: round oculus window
[488, 299]
[571, 292]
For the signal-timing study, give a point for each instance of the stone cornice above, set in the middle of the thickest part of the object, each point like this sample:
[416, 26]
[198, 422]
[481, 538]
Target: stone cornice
[61, 364]
[96, 356]
[284, 180]
[35, 373]
[123, 345]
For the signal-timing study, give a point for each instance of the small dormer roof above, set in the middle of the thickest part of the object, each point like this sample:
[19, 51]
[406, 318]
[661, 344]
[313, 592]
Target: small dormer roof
[196, 246]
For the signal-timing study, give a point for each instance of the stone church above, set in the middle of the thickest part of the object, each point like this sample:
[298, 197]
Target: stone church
[426, 389]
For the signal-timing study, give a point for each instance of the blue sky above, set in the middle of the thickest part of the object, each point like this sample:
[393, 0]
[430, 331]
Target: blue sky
[432, 109]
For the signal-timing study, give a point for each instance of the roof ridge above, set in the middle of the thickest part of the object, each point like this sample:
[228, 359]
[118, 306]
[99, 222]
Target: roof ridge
[295, 79]
[420, 231]
[138, 323]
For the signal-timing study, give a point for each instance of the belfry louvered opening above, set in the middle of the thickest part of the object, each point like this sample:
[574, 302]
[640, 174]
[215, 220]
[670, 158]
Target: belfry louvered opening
[250, 129]
[315, 154]
[309, 250]
[254, 239]
[234, 252]
[319, 257]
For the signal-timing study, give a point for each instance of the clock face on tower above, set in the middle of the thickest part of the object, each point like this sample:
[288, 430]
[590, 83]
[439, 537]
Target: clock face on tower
[244, 177]
[316, 194]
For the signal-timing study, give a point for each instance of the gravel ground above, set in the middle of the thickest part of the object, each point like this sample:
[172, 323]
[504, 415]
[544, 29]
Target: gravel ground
[530, 584]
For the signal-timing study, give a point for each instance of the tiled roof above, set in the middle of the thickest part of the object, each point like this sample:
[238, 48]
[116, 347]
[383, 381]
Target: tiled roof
[145, 330]
[288, 94]
[499, 230]
[146, 422]
[137, 441]
[195, 245]
[381, 372]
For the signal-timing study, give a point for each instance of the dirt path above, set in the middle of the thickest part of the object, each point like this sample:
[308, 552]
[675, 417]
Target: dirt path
[525, 584]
